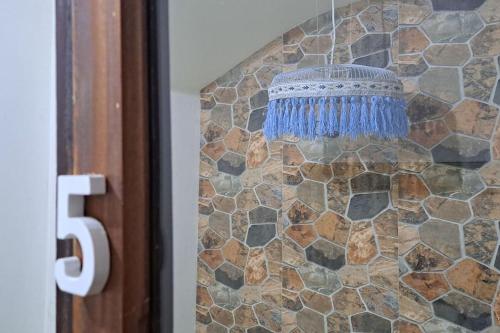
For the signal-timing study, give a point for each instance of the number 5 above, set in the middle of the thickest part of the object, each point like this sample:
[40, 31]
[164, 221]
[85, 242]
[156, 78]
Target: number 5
[71, 276]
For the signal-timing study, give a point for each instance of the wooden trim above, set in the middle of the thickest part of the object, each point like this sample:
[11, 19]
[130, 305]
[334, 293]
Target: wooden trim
[109, 136]
[64, 139]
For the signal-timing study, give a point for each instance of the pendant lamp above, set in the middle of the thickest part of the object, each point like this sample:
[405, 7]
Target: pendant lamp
[336, 100]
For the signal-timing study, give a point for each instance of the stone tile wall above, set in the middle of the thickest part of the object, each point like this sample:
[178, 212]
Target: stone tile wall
[367, 236]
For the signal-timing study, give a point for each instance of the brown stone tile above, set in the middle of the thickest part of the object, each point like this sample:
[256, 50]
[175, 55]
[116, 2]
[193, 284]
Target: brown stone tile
[480, 240]
[300, 213]
[203, 297]
[353, 276]
[256, 268]
[291, 300]
[225, 95]
[310, 321]
[245, 317]
[303, 234]
[361, 247]
[211, 240]
[202, 315]
[348, 302]
[480, 76]
[408, 186]
[347, 165]
[312, 194]
[448, 209]
[235, 252]
[402, 326]
[247, 200]
[213, 258]
[268, 316]
[408, 237]
[412, 40]
[491, 173]
[292, 155]
[424, 259]
[224, 204]
[316, 171]
[292, 176]
[333, 227]
[239, 225]
[486, 42]
[337, 323]
[487, 204]
[474, 279]
[414, 12]
[413, 306]
[473, 118]
[291, 279]
[237, 140]
[496, 310]
[206, 190]
[379, 18]
[316, 44]
[214, 150]
[248, 86]
[338, 194]
[257, 151]
[316, 301]
[349, 31]
[383, 272]
[442, 236]
[293, 36]
[222, 316]
[380, 301]
[386, 229]
[447, 54]
[429, 285]
[429, 133]
[272, 172]
[269, 195]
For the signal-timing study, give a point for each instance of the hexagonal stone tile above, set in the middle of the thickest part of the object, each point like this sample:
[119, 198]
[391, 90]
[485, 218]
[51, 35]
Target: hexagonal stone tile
[447, 54]
[338, 194]
[413, 306]
[411, 212]
[319, 278]
[333, 227]
[224, 204]
[442, 236]
[257, 119]
[291, 279]
[315, 301]
[474, 279]
[408, 186]
[316, 44]
[256, 268]
[212, 240]
[424, 259]
[260, 234]
[244, 316]
[322, 150]
[407, 237]
[232, 164]
[219, 222]
[370, 182]
[411, 65]
[337, 323]
[452, 27]
[490, 11]
[479, 78]
[348, 302]
[463, 311]
[361, 247]
[473, 118]
[312, 194]
[224, 297]
[386, 229]
[300, 213]
[367, 206]
[380, 18]
[269, 195]
[456, 183]
[485, 43]
[349, 31]
[316, 171]
[380, 301]
[380, 159]
[486, 204]
[230, 276]
[429, 285]
[442, 83]
[411, 40]
[429, 133]
[310, 321]
[447, 209]
[414, 11]
[462, 152]
[239, 225]
[370, 323]
[292, 155]
[423, 108]
[437, 325]
[257, 151]
[222, 316]
[302, 234]
[235, 252]
[326, 254]
[457, 4]
[369, 44]
[347, 165]
[263, 214]
[293, 36]
[213, 258]
[237, 140]
[480, 239]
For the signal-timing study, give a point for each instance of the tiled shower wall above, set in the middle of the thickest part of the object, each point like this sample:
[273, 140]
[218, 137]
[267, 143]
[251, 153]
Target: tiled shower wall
[358, 236]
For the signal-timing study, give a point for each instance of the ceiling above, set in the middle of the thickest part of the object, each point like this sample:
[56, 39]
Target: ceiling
[209, 37]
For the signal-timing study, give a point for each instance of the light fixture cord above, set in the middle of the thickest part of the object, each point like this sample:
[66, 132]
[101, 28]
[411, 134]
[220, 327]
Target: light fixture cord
[334, 33]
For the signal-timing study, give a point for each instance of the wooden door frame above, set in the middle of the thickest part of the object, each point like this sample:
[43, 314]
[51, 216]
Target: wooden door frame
[113, 119]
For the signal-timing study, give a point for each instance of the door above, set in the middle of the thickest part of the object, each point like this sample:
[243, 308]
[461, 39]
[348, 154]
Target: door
[107, 112]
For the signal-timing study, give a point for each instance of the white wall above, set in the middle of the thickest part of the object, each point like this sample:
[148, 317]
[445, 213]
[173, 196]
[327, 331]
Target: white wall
[185, 119]
[27, 166]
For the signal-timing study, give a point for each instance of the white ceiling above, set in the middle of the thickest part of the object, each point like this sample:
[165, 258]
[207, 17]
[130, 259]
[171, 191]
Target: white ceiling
[209, 37]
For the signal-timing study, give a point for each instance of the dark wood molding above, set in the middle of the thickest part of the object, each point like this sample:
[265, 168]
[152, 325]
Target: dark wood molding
[161, 170]
[107, 132]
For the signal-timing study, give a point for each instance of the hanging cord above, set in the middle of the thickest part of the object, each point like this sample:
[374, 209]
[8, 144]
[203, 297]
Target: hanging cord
[334, 33]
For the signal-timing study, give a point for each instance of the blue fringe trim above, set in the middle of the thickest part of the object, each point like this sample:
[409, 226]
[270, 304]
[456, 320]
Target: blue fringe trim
[383, 117]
